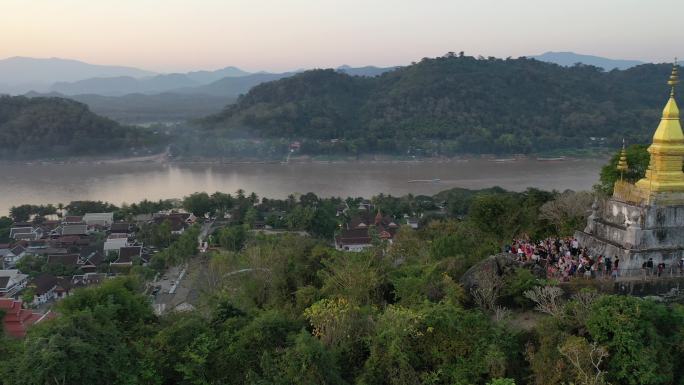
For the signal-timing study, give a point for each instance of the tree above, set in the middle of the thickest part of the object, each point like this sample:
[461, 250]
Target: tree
[638, 335]
[251, 216]
[549, 299]
[306, 362]
[358, 277]
[337, 321]
[568, 211]
[199, 204]
[637, 159]
[161, 234]
[92, 341]
[83, 207]
[5, 226]
[586, 360]
[232, 238]
[27, 295]
[21, 213]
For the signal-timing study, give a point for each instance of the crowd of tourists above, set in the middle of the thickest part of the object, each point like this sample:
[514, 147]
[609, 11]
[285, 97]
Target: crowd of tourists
[564, 258]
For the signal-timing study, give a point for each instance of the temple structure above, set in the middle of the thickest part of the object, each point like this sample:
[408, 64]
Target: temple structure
[645, 219]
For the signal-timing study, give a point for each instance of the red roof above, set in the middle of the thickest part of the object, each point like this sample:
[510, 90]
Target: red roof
[18, 320]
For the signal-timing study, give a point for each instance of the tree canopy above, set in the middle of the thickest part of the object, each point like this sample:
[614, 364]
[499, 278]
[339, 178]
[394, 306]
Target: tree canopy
[453, 104]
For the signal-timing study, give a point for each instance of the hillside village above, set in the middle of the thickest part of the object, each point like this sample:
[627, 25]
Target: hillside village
[45, 260]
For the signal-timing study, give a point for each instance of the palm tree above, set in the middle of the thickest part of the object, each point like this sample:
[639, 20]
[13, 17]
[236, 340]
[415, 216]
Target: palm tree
[60, 210]
[240, 194]
[254, 198]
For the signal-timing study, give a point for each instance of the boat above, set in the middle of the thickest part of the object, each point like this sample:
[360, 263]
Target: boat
[436, 180]
[552, 159]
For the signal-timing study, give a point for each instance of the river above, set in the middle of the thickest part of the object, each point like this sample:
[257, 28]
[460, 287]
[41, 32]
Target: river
[133, 181]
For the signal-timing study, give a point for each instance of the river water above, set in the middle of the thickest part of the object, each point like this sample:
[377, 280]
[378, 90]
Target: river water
[132, 182]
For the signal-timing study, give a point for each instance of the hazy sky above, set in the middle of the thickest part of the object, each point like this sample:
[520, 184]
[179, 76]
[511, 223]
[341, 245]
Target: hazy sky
[171, 35]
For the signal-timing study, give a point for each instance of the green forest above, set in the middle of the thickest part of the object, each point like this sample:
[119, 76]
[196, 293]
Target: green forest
[452, 105]
[44, 127]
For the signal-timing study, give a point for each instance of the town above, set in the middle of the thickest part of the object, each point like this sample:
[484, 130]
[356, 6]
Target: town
[49, 252]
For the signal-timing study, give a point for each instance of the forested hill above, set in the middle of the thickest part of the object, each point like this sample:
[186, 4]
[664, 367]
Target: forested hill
[54, 127]
[456, 104]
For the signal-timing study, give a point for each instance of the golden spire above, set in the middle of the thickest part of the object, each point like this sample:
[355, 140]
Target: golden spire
[674, 78]
[622, 165]
[664, 172]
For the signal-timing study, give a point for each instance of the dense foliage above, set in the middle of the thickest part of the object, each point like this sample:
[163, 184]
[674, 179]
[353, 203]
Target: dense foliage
[452, 104]
[289, 309]
[55, 127]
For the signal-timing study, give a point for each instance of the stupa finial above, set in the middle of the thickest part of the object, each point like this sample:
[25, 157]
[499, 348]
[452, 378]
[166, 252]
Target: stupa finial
[622, 165]
[674, 78]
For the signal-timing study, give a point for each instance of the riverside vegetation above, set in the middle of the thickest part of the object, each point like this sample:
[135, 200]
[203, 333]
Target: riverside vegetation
[304, 313]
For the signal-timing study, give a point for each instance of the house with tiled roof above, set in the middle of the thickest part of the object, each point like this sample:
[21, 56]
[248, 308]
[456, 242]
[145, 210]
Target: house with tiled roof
[67, 261]
[121, 228]
[127, 255]
[356, 235]
[98, 219]
[177, 223]
[75, 229]
[10, 257]
[28, 233]
[114, 242]
[11, 282]
[73, 219]
[44, 287]
[17, 320]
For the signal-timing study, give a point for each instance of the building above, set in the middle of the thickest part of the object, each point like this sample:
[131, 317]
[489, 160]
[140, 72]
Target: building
[645, 219]
[74, 229]
[26, 233]
[44, 288]
[358, 234]
[128, 255]
[17, 319]
[114, 242]
[12, 256]
[98, 219]
[11, 282]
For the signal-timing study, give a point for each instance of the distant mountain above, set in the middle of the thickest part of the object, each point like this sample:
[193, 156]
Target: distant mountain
[364, 71]
[570, 58]
[233, 86]
[205, 77]
[450, 105]
[118, 86]
[55, 127]
[26, 73]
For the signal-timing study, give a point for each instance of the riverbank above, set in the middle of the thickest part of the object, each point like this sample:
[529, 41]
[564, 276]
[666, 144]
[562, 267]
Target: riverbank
[166, 157]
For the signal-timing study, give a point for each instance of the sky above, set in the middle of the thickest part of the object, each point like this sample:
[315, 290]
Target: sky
[279, 35]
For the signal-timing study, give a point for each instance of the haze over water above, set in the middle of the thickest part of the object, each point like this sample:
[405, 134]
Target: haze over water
[133, 182]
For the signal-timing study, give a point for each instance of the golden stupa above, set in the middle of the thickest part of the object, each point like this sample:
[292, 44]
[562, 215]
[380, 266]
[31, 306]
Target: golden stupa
[664, 179]
[645, 220]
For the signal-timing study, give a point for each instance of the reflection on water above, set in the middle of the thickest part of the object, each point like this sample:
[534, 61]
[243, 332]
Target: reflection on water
[132, 182]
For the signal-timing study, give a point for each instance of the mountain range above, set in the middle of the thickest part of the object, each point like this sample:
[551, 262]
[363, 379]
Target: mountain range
[22, 74]
[567, 59]
[133, 95]
[447, 105]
